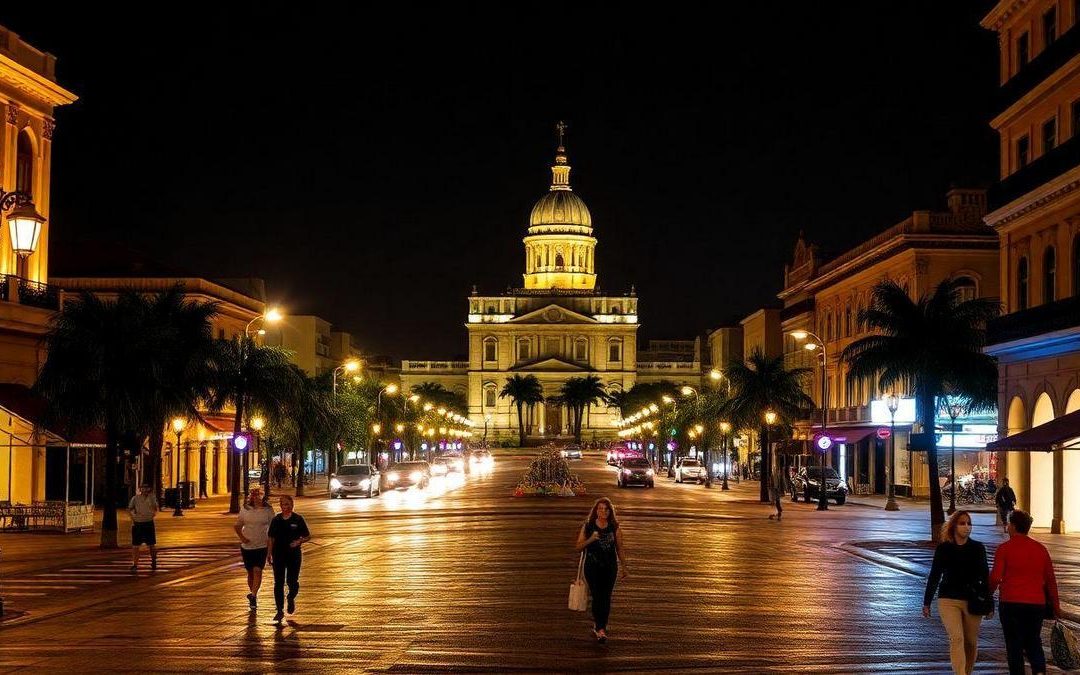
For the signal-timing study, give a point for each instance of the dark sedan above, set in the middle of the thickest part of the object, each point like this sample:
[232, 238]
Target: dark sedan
[636, 471]
[408, 474]
[808, 480]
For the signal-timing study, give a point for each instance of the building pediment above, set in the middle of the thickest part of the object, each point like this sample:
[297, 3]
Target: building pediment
[554, 314]
[549, 364]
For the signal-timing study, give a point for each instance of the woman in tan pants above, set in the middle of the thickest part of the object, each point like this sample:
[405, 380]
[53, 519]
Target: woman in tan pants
[959, 570]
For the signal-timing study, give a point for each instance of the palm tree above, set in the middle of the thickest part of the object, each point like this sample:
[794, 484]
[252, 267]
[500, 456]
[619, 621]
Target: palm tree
[522, 390]
[579, 393]
[184, 374]
[247, 374]
[101, 371]
[759, 384]
[933, 347]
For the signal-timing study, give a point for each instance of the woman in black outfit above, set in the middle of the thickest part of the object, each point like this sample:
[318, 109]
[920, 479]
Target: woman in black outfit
[959, 570]
[601, 539]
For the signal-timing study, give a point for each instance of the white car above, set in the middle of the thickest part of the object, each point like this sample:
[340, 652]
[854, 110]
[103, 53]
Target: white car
[688, 468]
[572, 452]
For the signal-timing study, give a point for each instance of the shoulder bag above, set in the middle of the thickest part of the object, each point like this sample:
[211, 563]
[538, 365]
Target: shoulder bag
[579, 591]
[980, 601]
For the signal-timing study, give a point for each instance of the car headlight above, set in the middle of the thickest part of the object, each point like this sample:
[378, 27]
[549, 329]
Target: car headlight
[365, 483]
[415, 476]
[438, 469]
[393, 476]
[649, 472]
[335, 484]
[626, 472]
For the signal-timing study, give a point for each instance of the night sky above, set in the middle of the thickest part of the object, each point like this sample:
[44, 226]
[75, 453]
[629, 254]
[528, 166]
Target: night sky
[372, 168]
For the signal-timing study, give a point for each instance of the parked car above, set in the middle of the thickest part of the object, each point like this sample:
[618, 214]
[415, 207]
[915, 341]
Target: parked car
[808, 480]
[689, 468]
[408, 474]
[636, 471]
[355, 479]
[572, 452]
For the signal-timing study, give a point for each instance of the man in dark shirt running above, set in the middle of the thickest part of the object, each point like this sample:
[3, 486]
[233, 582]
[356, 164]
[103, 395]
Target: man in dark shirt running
[288, 531]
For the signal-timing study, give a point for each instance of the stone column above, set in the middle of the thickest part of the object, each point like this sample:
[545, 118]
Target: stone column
[1057, 524]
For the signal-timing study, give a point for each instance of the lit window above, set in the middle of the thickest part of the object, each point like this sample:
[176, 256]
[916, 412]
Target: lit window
[581, 350]
[965, 289]
[523, 349]
[615, 351]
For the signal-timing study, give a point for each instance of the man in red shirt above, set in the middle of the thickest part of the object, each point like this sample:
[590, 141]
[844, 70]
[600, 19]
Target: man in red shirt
[1024, 573]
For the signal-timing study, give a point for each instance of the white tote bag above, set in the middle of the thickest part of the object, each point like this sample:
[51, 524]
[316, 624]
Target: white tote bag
[579, 591]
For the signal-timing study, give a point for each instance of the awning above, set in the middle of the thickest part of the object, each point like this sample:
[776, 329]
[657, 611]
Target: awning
[22, 402]
[1063, 432]
[848, 435]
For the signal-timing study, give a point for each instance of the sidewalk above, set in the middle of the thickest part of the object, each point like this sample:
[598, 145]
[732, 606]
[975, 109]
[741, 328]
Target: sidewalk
[878, 501]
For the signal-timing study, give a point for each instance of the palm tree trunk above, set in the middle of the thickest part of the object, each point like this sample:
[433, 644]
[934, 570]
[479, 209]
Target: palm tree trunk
[108, 518]
[763, 437]
[301, 438]
[579, 415]
[234, 457]
[152, 472]
[521, 424]
[925, 402]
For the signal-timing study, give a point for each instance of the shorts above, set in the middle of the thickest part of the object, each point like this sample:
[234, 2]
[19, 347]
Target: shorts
[143, 533]
[253, 557]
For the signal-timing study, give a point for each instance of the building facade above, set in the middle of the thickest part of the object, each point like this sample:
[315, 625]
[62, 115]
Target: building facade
[29, 94]
[558, 325]
[826, 297]
[1035, 209]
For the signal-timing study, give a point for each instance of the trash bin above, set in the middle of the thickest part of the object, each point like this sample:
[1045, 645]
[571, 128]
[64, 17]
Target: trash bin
[187, 493]
[170, 497]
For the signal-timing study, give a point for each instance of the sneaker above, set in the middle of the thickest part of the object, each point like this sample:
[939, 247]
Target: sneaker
[601, 636]
[279, 616]
[292, 606]
[252, 602]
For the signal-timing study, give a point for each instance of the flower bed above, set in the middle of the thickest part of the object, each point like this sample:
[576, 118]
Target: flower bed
[549, 476]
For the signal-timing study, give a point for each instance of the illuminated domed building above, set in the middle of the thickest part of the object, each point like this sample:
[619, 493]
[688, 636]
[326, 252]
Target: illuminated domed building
[558, 326]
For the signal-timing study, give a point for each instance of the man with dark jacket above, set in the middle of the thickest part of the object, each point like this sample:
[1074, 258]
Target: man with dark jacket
[1005, 499]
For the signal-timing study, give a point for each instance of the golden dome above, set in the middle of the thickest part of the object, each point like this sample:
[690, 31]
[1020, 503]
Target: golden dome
[560, 207]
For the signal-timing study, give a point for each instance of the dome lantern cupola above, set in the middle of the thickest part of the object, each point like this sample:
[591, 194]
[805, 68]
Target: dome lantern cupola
[559, 247]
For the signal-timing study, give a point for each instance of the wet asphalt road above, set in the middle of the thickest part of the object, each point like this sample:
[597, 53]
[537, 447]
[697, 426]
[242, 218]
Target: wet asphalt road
[464, 577]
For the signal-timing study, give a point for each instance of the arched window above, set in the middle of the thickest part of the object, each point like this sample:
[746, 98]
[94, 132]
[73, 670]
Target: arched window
[581, 349]
[559, 262]
[615, 309]
[965, 289]
[615, 351]
[1076, 262]
[524, 349]
[491, 347]
[1049, 275]
[489, 395]
[539, 261]
[847, 322]
[24, 165]
[1022, 283]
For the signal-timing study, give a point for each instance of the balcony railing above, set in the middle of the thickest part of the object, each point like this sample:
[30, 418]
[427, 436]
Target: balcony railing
[29, 293]
[445, 366]
[1042, 169]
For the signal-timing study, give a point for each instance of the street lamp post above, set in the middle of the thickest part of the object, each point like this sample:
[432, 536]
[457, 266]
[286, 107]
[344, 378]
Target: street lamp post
[487, 420]
[955, 409]
[272, 315]
[178, 425]
[771, 418]
[257, 425]
[725, 429]
[24, 225]
[892, 402]
[661, 432]
[350, 366]
[823, 502]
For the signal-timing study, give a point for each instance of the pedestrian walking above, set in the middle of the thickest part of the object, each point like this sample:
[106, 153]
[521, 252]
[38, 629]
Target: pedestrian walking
[601, 540]
[1005, 499]
[279, 473]
[252, 526]
[288, 531]
[779, 489]
[1025, 574]
[960, 577]
[143, 507]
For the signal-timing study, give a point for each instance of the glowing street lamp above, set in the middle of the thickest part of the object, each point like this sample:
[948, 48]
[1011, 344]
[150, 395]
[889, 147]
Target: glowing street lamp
[892, 402]
[178, 425]
[725, 430]
[800, 335]
[272, 315]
